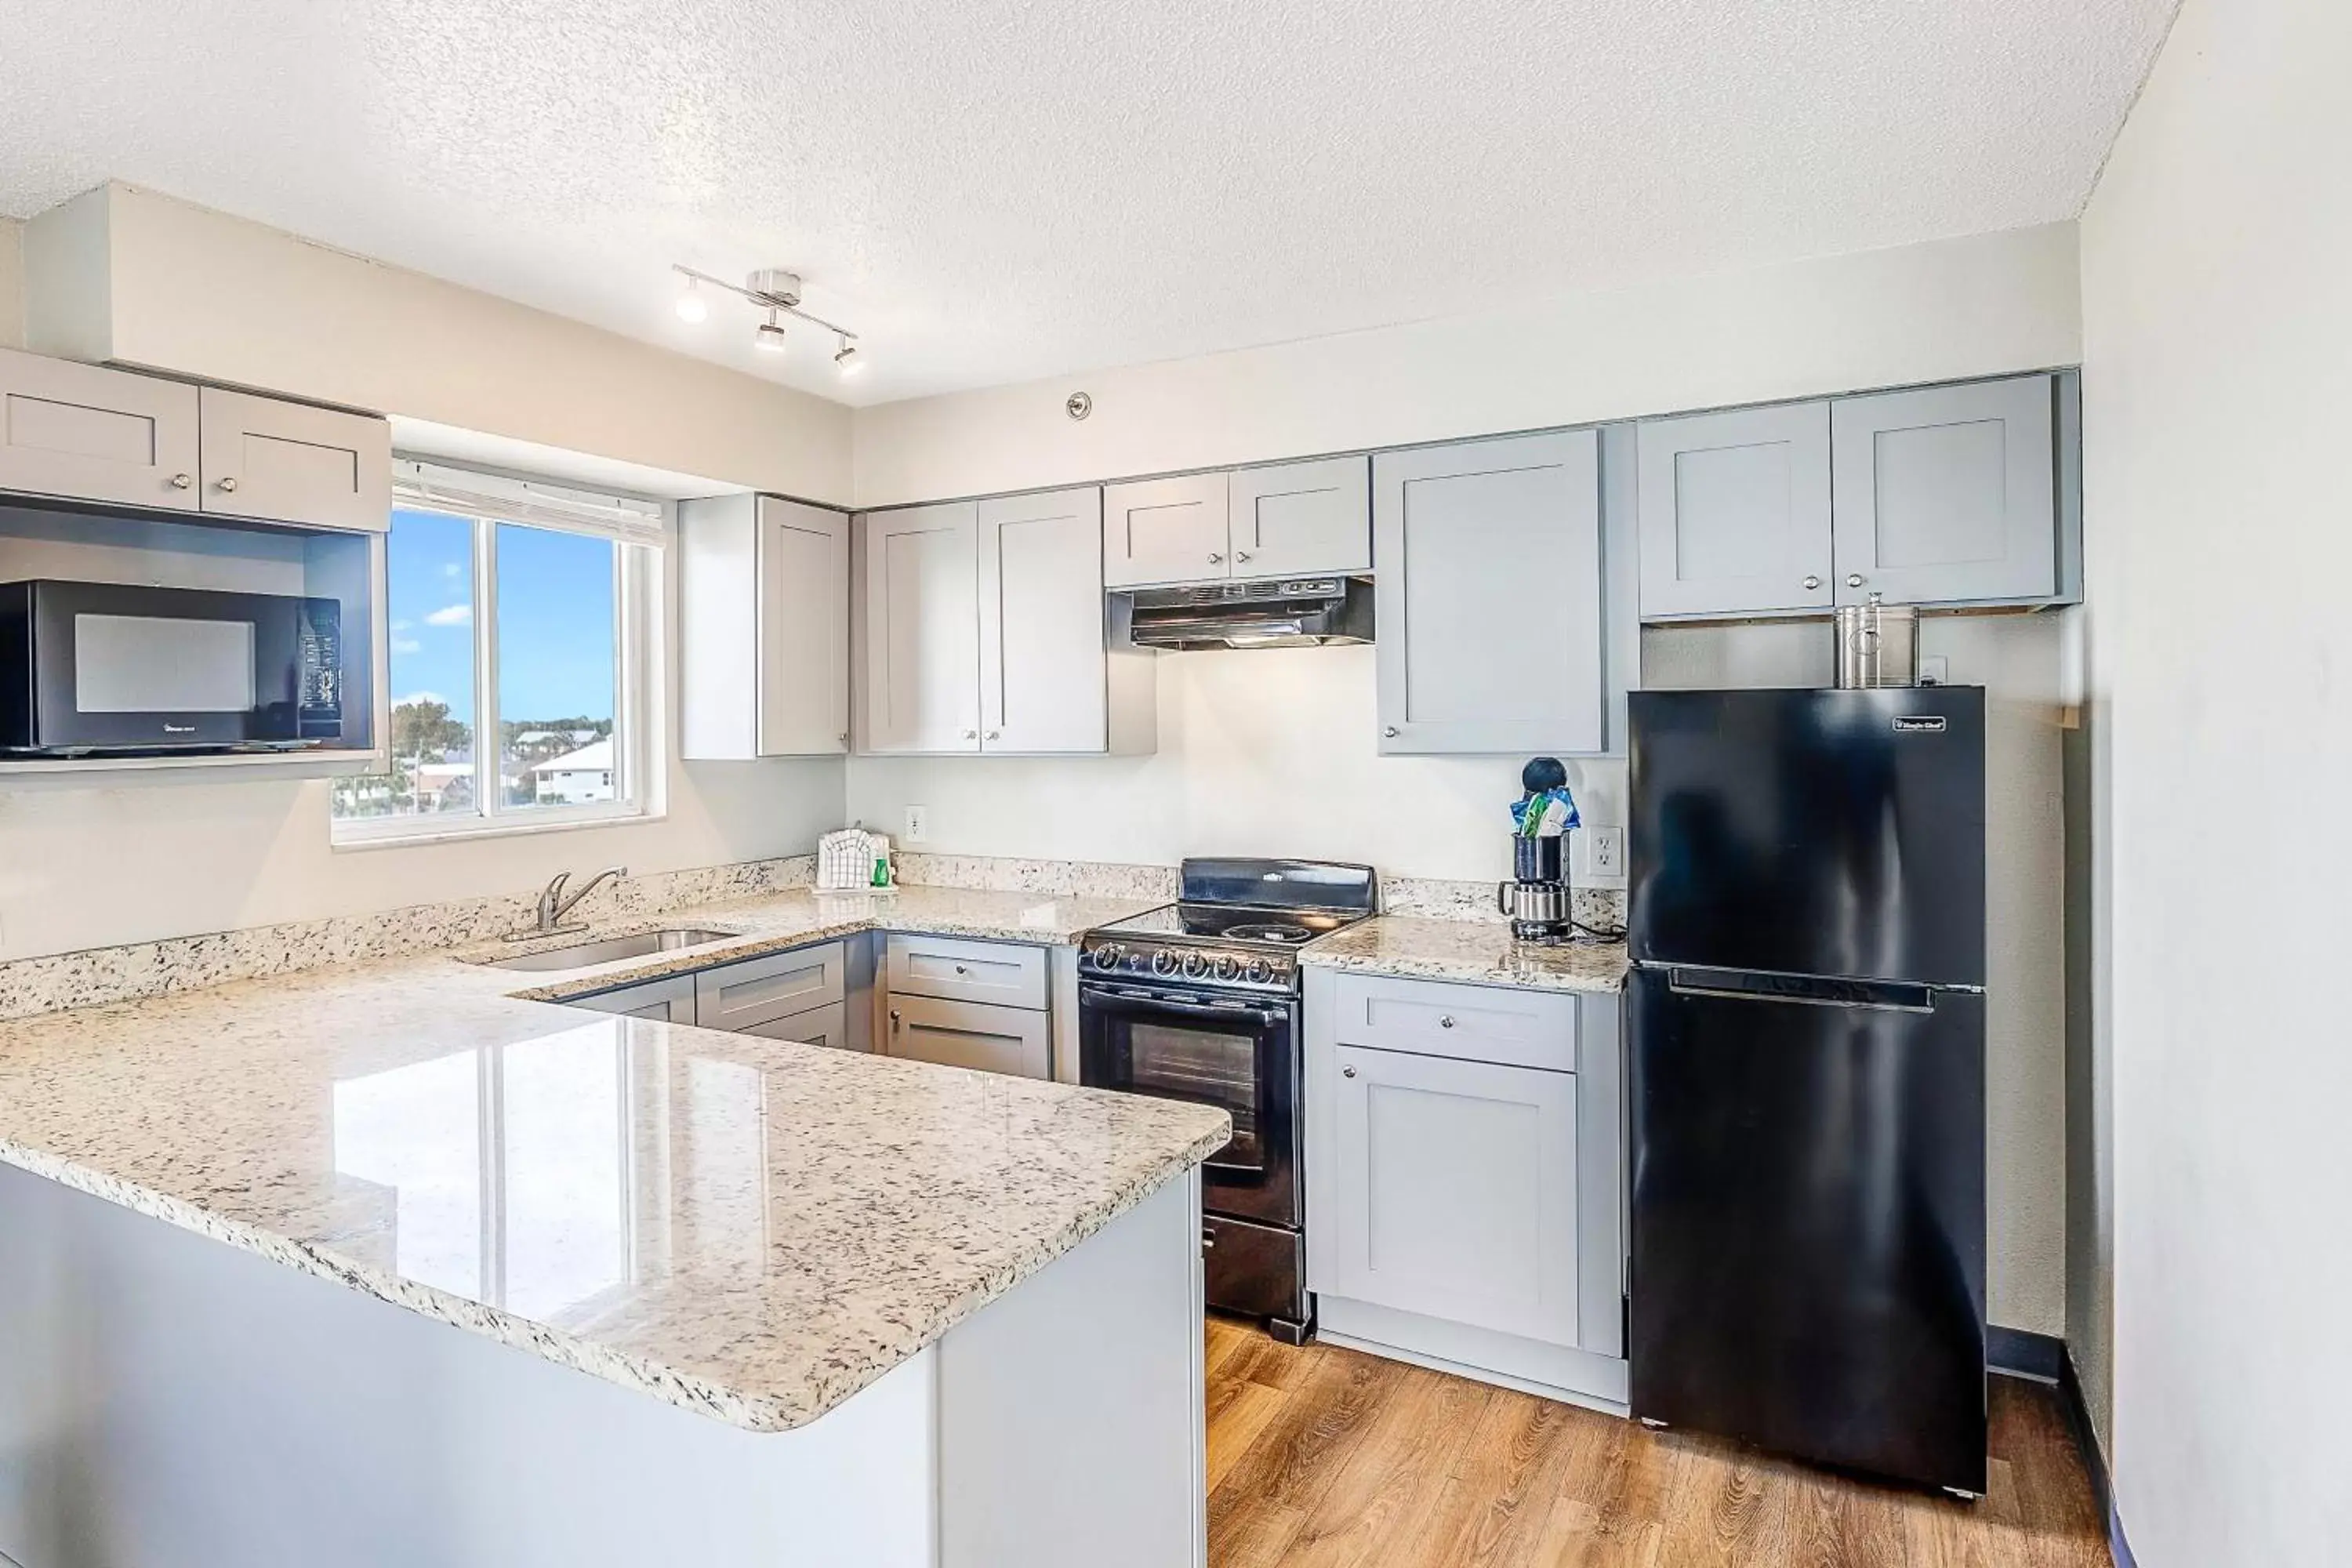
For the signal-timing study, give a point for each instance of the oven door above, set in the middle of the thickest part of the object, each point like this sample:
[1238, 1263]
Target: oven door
[126, 667]
[1238, 1055]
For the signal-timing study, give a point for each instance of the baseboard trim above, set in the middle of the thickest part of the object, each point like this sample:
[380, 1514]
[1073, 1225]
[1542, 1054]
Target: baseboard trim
[2022, 1353]
[2095, 1461]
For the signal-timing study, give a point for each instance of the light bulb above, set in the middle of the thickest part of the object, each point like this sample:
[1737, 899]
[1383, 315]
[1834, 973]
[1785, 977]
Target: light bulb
[848, 361]
[691, 305]
[770, 335]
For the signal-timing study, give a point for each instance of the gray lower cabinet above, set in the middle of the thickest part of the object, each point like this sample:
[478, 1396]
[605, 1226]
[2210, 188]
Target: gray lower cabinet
[669, 1001]
[1464, 1177]
[740, 996]
[1486, 561]
[1948, 493]
[826, 1025]
[1734, 511]
[1015, 1040]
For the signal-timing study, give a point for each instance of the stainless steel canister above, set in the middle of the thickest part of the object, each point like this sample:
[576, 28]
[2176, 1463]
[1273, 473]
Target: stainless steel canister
[1878, 644]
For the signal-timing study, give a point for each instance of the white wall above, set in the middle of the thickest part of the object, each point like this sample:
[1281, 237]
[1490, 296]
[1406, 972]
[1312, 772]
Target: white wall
[204, 294]
[1924, 313]
[2217, 280]
[83, 867]
[12, 284]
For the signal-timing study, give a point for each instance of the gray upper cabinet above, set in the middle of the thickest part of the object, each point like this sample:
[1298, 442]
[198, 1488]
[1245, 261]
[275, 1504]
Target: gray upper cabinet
[1293, 520]
[921, 669]
[763, 590]
[289, 462]
[1948, 493]
[1487, 565]
[78, 430]
[1734, 511]
[1041, 623]
[1164, 531]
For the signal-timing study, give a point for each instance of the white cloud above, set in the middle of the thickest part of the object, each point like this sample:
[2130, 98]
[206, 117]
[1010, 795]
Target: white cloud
[402, 625]
[407, 645]
[451, 615]
[419, 697]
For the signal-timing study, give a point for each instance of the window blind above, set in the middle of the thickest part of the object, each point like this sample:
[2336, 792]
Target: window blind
[632, 519]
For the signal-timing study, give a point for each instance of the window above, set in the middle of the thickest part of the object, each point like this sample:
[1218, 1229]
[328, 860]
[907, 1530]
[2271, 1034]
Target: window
[520, 674]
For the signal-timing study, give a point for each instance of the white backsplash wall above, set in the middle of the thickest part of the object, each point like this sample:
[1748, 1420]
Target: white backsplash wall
[2020, 660]
[1262, 752]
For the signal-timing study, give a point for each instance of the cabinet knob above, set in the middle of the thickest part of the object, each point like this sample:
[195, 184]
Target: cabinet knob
[894, 1017]
[1346, 1072]
[971, 734]
[1446, 1022]
[181, 481]
[1812, 583]
[1389, 730]
[962, 970]
[1214, 558]
[1241, 554]
[992, 734]
[229, 484]
[1853, 580]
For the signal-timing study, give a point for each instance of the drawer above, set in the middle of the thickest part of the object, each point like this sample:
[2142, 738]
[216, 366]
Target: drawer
[738, 996]
[1015, 1040]
[670, 1000]
[826, 1025]
[1504, 1024]
[1000, 973]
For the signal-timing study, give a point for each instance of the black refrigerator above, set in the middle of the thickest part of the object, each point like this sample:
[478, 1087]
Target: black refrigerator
[1807, 926]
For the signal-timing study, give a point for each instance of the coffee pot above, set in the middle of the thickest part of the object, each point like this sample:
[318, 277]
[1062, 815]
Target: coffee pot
[1538, 898]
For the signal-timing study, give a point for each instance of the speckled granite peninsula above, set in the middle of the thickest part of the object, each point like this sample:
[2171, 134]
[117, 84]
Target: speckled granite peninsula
[1478, 952]
[822, 1215]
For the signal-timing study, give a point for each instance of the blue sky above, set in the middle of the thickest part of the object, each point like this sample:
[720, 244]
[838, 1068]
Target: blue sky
[555, 610]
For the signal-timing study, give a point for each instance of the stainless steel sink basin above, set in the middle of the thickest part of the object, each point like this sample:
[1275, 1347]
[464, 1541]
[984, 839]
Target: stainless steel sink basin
[609, 949]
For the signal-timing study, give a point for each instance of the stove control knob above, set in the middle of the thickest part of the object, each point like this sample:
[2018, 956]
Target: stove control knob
[1228, 966]
[1195, 965]
[1106, 956]
[1163, 963]
[1259, 971]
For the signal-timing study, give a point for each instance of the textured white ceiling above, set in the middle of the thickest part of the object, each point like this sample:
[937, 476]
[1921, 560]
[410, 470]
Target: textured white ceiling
[995, 192]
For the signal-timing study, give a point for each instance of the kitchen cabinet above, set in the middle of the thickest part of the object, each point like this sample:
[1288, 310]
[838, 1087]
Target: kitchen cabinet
[1041, 646]
[740, 996]
[1014, 1040]
[1281, 520]
[1486, 560]
[92, 434]
[1946, 493]
[665, 1001]
[763, 591]
[1734, 511]
[958, 969]
[1165, 531]
[984, 630]
[826, 1025]
[922, 673]
[1453, 1192]
[290, 462]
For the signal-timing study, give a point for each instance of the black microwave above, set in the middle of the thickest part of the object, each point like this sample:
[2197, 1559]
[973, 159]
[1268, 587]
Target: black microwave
[113, 669]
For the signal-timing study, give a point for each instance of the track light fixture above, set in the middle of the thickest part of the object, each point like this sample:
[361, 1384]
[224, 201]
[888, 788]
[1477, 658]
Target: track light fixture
[776, 292]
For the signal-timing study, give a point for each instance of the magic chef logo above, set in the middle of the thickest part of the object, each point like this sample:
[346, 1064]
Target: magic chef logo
[1919, 723]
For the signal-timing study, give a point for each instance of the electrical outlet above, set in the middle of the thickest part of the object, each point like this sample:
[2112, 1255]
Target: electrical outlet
[1936, 669]
[919, 824]
[1605, 851]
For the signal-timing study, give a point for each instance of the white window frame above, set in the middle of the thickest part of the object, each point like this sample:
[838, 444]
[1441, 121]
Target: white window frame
[639, 529]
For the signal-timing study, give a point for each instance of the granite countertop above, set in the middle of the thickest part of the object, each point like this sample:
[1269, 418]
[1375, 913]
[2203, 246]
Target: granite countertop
[751, 1228]
[1478, 952]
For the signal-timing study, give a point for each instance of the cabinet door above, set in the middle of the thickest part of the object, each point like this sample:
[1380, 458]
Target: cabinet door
[1297, 519]
[293, 463]
[826, 1026]
[1013, 1040]
[923, 630]
[1165, 531]
[1456, 1192]
[803, 629]
[738, 997]
[75, 430]
[1043, 667]
[1946, 493]
[669, 1001]
[1487, 568]
[1734, 511]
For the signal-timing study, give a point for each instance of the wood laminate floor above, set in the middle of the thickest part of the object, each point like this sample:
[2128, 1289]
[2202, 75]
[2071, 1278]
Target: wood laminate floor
[1325, 1457]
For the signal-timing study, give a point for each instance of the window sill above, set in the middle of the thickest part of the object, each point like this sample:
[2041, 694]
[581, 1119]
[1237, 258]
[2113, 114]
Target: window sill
[502, 829]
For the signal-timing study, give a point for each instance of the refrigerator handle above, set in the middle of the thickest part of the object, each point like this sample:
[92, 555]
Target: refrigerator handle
[1868, 995]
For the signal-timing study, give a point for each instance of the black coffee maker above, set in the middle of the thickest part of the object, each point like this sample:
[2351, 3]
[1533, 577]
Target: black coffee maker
[1538, 898]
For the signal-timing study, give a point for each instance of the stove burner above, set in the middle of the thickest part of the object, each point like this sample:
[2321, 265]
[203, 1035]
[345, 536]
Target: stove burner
[1282, 934]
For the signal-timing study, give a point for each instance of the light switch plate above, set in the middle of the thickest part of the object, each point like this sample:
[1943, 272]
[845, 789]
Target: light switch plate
[919, 824]
[1605, 851]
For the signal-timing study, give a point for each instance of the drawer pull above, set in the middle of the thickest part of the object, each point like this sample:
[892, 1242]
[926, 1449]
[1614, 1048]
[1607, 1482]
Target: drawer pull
[1346, 1072]
[962, 970]
[1446, 1022]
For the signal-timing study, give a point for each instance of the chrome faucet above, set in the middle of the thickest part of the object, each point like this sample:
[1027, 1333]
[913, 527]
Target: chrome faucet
[554, 905]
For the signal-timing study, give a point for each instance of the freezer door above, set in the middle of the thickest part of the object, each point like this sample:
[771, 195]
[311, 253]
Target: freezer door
[1811, 831]
[1809, 1219]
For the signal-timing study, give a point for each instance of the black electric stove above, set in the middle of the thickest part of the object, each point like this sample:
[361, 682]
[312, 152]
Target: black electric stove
[1199, 1000]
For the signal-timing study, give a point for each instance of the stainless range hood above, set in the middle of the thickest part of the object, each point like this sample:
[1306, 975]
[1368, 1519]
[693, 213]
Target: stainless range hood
[1294, 612]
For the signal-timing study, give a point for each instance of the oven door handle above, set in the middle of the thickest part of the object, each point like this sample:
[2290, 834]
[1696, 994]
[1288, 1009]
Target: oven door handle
[1268, 1017]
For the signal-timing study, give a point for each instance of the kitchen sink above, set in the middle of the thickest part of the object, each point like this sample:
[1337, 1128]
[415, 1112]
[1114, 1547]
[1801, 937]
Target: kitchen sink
[610, 949]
